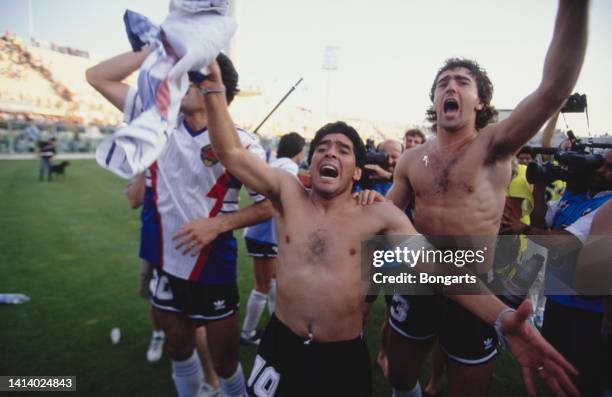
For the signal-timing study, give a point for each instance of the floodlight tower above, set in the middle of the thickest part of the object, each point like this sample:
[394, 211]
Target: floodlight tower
[330, 63]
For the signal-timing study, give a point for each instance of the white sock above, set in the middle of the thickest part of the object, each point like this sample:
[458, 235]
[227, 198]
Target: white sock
[233, 386]
[187, 376]
[415, 392]
[254, 310]
[159, 333]
[272, 297]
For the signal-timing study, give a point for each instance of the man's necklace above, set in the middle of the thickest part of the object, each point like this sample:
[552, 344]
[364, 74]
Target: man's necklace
[425, 159]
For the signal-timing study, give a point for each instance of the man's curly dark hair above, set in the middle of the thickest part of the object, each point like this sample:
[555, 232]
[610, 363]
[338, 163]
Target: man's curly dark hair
[484, 116]
[340, 127]
[359, 149]
[229, 75]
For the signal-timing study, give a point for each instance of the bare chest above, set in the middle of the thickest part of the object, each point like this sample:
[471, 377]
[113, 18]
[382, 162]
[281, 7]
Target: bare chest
[316, 241]
[439, 175]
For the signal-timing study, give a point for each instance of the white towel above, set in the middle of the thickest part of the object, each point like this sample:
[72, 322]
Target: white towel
[190, 38]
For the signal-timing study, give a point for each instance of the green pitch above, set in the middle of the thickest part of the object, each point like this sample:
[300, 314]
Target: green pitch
[72, 246]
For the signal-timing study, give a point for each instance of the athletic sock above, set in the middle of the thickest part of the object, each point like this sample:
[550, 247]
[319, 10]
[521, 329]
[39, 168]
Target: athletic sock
[187, 376]
[254, 310]
[272, 297]
[415, 392]
[233, 386]
[158, 334]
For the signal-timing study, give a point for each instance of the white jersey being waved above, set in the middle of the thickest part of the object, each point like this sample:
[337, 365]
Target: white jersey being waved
[188, 183]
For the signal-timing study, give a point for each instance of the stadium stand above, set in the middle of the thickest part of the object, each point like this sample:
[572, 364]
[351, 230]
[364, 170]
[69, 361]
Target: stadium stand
[39, 81]
[45, 84]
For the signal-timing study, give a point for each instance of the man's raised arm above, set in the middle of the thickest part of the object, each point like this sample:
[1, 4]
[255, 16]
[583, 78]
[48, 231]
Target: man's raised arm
[107, 76]
[561, 69]
[247, 167]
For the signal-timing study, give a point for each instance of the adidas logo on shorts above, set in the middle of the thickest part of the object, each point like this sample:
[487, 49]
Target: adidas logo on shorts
[220, 304]
[488, 343]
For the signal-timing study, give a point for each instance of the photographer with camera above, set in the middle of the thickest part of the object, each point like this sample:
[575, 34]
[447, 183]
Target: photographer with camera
[572, 323]
[380, 163]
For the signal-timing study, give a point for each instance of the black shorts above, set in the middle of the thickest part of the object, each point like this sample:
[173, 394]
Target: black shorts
[464, 337]
[576, 334]
[200, 302]
[260, 250]
[289, 365]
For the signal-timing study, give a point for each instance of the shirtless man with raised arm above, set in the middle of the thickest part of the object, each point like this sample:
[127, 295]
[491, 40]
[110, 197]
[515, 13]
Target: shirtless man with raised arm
[458, 182]
[314, 345]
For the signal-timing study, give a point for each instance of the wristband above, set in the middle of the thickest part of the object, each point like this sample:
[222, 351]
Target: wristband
[205, 90]
[501, 336]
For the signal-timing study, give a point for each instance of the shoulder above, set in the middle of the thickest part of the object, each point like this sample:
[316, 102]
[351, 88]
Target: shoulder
[383, 210]
[411, 156]
[388, 219]
[490, 139]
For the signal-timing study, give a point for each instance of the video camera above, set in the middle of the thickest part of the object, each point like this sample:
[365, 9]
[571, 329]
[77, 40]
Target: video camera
[377, 157]
[576, 103]
[574, 165]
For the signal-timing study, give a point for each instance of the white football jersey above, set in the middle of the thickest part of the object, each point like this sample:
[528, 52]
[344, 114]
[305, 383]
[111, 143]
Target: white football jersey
[189, 183]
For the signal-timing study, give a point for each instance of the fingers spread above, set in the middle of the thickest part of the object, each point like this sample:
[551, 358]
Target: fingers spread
[552, 383]
[554, 356]
[561, 377]
[182, 231]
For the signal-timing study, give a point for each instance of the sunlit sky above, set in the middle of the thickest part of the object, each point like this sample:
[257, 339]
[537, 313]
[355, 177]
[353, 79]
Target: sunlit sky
[388, 51]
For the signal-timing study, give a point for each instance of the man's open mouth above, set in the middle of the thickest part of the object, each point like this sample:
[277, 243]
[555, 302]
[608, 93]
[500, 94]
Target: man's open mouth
[328, 171]
[451, 105]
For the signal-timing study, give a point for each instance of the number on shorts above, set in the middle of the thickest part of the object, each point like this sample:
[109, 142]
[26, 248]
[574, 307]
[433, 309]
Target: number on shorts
[264, 380]
[399, 308]
[161, 287]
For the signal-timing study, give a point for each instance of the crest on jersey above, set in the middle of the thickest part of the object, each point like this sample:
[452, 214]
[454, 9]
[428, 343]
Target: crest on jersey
[208, 156]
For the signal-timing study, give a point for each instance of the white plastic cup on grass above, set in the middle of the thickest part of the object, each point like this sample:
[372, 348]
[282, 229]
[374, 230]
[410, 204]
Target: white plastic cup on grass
[115, 335]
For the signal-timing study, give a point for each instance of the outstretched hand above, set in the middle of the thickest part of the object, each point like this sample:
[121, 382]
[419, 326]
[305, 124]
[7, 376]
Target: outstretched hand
[195, 235]
[535, 354]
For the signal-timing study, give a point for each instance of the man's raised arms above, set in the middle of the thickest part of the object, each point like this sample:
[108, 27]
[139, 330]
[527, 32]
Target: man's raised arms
[562, 66]
[107, 77]
[248, 168]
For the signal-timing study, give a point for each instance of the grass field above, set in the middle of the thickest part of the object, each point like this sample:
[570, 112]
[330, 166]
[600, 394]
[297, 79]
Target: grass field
[72, 246]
